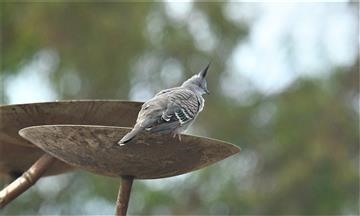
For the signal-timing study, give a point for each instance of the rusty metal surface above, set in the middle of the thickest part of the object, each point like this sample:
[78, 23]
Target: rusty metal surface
[17, 154]
[148, 156]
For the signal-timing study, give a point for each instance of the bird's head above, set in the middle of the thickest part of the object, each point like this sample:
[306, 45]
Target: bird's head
[198, 82]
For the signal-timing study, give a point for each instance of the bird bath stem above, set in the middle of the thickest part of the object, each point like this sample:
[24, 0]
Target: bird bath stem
[124, 195]
[26, 180]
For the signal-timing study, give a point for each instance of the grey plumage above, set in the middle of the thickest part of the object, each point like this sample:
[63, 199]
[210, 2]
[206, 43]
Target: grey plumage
[171, 110]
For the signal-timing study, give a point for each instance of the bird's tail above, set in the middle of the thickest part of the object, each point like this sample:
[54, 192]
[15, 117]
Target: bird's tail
[129, 136]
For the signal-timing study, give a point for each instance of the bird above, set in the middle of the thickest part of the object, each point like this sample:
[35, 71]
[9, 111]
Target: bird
[173, 110]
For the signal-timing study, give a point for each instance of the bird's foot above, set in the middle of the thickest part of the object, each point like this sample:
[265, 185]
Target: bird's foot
[179, 136]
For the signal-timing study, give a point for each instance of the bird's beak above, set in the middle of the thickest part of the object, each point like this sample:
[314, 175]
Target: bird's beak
[207, 91]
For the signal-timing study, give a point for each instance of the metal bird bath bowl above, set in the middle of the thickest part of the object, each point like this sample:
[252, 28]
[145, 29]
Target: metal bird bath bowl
[148, 156]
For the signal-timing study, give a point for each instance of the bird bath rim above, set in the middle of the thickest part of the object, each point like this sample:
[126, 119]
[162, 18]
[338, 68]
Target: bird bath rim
[129, 128]
[70, 101]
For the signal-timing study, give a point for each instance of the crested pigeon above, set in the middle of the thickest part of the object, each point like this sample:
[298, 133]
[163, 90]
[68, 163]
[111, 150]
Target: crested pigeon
[171, 110]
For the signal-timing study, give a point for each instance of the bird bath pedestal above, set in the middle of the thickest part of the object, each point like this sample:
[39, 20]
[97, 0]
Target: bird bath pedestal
[148, 156]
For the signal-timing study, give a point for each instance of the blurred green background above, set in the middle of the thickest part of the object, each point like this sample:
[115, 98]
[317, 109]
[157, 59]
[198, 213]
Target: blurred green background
[285, 88]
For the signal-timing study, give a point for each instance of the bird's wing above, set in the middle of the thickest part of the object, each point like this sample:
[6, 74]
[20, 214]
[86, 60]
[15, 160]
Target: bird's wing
[169, 111]
[182, 107]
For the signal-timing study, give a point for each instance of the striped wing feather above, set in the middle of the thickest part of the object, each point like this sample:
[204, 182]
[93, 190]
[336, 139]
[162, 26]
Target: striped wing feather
[182, 107]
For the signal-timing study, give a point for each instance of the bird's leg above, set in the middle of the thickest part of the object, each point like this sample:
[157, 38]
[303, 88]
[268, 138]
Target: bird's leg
[179, 135]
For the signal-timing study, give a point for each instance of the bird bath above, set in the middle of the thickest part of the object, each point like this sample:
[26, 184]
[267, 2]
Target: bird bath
[18, 155]
[148, 156]
[67, 130]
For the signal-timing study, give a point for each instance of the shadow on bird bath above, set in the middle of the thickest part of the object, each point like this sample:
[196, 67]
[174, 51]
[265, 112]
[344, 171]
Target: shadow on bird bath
[148, 156]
